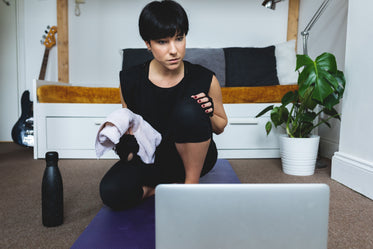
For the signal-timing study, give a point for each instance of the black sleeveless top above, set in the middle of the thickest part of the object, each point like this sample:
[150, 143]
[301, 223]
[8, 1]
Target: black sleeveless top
[155, 103]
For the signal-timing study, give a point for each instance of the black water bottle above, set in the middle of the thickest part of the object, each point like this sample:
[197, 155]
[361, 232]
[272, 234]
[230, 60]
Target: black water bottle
[52, 192]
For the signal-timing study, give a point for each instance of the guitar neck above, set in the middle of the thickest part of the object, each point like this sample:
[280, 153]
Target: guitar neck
[43, 68]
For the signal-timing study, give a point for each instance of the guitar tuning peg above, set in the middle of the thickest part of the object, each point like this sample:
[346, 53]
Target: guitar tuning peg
[44, 36]
[46, 31]
[41, 41]
[48, 27]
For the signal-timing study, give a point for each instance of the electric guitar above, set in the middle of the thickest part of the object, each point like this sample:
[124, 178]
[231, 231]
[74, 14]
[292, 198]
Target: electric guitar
[49, 41]
[23, 130]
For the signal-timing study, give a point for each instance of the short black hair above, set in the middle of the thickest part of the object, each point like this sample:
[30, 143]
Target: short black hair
[161, 19]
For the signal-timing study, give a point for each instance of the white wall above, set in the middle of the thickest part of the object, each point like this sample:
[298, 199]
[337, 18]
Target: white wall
[327, 35]
[353, 163]
[9, 102]
[105, 27]
[38, 14]
[357, 107]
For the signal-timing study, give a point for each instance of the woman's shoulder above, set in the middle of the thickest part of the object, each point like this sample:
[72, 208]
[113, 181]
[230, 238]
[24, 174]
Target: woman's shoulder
[199, 77]
[133, 73]
[198, 69]
[130, 77]
[136, 68]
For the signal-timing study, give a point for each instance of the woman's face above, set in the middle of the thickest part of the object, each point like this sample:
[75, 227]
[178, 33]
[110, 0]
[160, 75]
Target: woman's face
[169, 52]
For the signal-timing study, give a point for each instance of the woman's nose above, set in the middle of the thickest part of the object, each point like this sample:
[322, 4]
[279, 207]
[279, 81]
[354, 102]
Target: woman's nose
[172, 49]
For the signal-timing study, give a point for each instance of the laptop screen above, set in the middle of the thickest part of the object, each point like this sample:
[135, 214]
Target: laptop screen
[243, 216]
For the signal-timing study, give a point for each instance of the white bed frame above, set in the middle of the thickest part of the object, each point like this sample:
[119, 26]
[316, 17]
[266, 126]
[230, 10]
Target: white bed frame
[70, 129]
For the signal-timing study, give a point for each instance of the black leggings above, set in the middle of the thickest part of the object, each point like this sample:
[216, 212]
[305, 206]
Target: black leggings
[121, 186]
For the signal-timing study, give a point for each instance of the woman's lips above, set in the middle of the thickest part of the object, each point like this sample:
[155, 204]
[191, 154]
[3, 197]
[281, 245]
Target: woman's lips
[174, 60]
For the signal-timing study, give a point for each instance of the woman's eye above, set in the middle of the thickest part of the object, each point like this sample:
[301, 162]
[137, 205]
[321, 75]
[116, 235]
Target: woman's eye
[161, 42]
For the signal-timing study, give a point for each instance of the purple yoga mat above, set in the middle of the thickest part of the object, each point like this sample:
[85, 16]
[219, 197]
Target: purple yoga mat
[135, 228]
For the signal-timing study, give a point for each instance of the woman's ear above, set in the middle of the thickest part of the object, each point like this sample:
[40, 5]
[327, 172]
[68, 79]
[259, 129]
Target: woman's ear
[148, 45]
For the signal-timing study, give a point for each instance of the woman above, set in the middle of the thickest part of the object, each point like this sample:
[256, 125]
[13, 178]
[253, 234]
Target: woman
[182, 101]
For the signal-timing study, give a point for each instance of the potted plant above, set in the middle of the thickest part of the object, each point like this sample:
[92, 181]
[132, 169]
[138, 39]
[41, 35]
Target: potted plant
[321, 87]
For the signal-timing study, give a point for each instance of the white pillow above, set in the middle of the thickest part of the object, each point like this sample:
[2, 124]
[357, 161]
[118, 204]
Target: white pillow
[286, 62]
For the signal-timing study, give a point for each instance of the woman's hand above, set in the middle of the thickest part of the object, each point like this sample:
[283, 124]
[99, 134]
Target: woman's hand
[206, 103]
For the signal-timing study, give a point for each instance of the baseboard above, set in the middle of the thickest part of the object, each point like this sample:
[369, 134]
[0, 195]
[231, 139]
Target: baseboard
[328, 147]
[353, 172]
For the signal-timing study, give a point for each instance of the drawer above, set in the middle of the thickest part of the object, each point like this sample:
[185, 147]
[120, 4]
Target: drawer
[73, 133]
[246, 133]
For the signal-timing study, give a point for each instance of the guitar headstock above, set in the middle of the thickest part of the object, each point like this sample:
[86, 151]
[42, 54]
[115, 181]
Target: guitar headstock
[50, 39]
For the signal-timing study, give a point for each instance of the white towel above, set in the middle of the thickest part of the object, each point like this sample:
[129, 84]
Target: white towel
[118, 122]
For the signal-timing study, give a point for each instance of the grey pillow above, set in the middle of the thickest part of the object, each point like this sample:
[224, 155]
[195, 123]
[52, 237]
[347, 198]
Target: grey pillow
[211, 58]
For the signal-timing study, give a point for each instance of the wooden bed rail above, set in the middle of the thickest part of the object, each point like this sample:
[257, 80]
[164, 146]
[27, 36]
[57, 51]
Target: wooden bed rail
[293, 17]
[63, 40]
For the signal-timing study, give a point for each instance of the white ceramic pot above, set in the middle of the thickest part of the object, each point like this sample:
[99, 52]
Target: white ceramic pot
[298, 155]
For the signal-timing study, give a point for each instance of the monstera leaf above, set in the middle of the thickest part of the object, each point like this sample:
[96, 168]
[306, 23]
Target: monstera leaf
[320, 85]
[319, 75]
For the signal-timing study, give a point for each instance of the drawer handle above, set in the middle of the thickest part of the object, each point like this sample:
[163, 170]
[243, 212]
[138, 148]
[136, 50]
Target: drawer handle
[243, 121]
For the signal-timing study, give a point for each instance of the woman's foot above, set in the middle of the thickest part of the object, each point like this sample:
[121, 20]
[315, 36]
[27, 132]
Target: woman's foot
[148, 191]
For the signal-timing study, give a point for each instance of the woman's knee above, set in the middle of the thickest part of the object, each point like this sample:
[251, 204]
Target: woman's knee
[120, 188]
[118, 198]
[190, 122]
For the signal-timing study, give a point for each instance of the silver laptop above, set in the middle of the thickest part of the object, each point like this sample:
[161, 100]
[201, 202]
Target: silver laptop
[234, 216]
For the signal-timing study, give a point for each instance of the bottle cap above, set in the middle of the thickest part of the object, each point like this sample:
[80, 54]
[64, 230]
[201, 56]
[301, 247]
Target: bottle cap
[51, 156]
